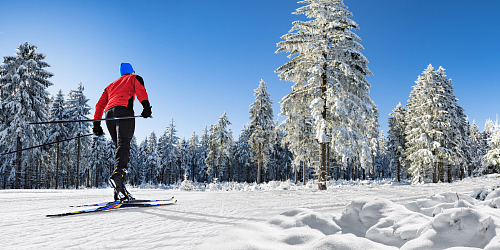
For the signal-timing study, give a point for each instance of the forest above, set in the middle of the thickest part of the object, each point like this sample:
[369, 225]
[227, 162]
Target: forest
[330, 130]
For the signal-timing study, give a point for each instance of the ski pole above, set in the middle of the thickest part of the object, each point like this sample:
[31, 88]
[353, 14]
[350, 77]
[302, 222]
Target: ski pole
[45, 144]
[90, 120]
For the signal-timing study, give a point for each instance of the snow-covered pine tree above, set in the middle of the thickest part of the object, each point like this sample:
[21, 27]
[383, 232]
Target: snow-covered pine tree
[372, 137]
[489, 131]
[396, 141]
[262, 132]
[299, 130]
[134, 164]
[143, 171]
[326, 62]
[280, 157]
[243, 157]
[454, 139]
[219, 143]
[57, 132]
[95, 172]
[193, 145]
[78, 109]
[185, 158]
[381, 160]
[491, 161]
[24, 98]
[202, 156]
[433, 132]
[477, 149]
[168, 154]
[152, 160]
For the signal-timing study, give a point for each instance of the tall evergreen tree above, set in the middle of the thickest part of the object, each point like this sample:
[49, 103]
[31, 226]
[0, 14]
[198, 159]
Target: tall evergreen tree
[24, 98]
[491, 160]
[299, 130]
[397, 141]
[219, 143]
[262, 134]
[96, 173]
[434, 130]
[477, 149]
[193, 149]
[57, 132]
[134, 165]
[77, 108]
[168, 153]
[243, 156]
[326, 62]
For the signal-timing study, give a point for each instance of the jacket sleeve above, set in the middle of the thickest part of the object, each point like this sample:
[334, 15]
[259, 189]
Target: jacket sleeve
[140, 90]
[101, 105]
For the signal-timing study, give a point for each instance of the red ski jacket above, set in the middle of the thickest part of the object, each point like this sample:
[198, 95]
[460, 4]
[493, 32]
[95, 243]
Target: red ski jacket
[121, 92]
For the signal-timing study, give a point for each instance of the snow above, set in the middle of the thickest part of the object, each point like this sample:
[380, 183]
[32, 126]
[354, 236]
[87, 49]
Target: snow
[275, 215]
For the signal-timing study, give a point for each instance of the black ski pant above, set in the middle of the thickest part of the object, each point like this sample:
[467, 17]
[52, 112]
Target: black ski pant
[121, 131]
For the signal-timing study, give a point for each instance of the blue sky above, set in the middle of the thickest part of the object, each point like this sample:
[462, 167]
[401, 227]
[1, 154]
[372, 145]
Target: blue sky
[200, 58]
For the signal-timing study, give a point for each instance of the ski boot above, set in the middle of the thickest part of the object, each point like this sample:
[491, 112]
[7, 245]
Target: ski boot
[117, 181]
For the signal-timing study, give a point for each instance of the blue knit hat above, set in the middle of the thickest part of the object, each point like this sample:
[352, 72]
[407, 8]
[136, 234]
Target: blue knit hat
[126, 68]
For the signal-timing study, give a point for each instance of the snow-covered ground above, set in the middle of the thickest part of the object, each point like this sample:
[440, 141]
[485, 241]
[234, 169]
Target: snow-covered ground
[349, 215]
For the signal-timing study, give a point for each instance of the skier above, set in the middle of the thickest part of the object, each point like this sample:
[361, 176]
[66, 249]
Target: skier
[118, 101]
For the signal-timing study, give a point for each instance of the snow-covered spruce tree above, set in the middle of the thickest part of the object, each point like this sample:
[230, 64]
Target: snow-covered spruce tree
[489, 131]
[243, 157]
[219, 143]
[382, 163]
[193, 149]
[477, 149]
[396, 141]
[168, 154]
[143, 172]
[491, 161]
[372, 137]
[281, 157]
[95, 174]
[185, 158]
[299, 130]
[262, 133]
[152, 160]
[134, 163]
[326, 62]
[77, 108]
[433, 130]
[202, 156]
[455, 138]
[57, 132]
[24, 98]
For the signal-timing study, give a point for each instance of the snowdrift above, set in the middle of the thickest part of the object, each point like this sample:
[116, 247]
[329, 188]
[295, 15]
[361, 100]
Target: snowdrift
[444, 221]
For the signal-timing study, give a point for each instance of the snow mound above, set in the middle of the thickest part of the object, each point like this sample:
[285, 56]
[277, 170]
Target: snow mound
[450, 221]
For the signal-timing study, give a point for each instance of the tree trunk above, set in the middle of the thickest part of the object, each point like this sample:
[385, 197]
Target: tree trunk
[328, 161]
[259, 165]
[373, 167]
[78, 165]
[303, 173]
[19, 155]
[57, 163]
[296, 175]
[323, 145]
[398, 171]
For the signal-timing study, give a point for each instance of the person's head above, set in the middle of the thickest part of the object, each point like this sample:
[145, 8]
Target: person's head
[126, 68]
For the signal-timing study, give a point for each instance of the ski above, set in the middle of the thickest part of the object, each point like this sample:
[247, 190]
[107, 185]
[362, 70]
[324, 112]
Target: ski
[113, 205]
[108, 206]
[131, 201]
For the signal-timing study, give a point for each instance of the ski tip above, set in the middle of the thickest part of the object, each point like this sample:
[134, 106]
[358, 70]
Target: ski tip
[175, 201]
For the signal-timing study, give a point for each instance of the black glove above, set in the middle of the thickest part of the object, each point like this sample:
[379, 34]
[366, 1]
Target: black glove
[146, 109]
[97, 128]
